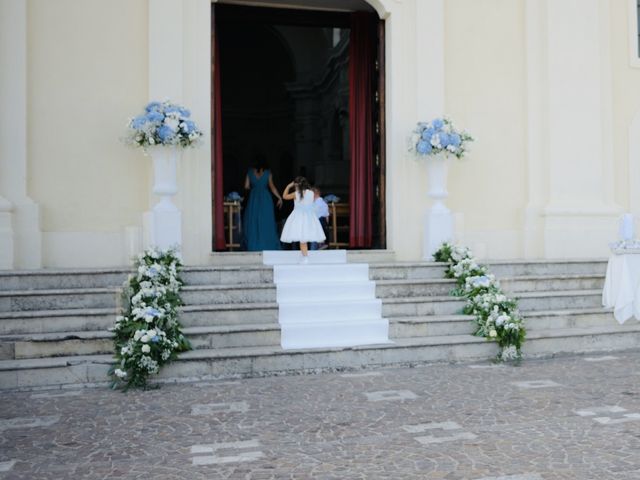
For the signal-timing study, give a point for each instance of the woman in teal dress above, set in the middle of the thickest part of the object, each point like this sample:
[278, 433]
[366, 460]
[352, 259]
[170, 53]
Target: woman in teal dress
[260, 232]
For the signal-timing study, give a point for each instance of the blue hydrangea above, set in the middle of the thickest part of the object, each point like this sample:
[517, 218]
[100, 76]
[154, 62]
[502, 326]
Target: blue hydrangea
[153, 106]
[190, 126]
[139, 121]
[155, 339]
[426, 134]
[165, 132]
[438, 136]
[154, 116]
[233, 197]
[149, 128]
[423, 147]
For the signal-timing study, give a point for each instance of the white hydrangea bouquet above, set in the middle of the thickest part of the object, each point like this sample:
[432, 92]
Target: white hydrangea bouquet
[148, 334]
[496, 315]
[163, 123]
[439, 136]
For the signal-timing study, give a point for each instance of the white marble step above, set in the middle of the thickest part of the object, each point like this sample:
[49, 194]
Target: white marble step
[292, 313]
[293, 257]
[336, 333]
[19, 300]
[327, 292]
[269, 360]
[254, 258]
[49, 321]
[42, 345]
[501, 269]
[253, 273]
[328, 273]
[68, 342]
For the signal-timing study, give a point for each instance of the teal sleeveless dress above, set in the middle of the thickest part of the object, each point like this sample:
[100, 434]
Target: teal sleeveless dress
[259, 223]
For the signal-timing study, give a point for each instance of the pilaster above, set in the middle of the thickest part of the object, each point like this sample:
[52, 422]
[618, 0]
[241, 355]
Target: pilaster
[20, 223]
[537, 141]
[180, 69]
[571, 211]
[438, 222]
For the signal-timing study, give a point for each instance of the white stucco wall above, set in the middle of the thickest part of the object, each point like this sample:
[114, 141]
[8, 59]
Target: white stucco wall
[485, 93]
[87, 73]
[509, 71]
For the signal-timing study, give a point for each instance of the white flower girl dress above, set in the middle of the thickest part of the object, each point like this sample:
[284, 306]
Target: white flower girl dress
[303, 224]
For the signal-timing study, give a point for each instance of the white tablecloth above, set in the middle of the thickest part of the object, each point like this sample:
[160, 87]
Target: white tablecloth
[622, 286]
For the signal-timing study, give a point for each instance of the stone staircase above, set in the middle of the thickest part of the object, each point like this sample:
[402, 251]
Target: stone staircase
[53, 323]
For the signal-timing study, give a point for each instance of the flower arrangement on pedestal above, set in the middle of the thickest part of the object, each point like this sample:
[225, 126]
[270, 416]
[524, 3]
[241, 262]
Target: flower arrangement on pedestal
[439, 136]
[148, 333]
[436, 141]
[163, 123]
[496, 315]
[162, 130]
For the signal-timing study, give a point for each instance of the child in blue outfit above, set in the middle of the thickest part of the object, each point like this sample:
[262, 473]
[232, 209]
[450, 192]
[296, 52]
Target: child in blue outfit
[322, 211]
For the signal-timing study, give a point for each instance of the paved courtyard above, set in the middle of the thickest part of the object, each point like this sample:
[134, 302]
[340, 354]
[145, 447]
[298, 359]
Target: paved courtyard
[564, 418]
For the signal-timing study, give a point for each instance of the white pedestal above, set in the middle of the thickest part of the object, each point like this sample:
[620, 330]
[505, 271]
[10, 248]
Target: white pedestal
[162, 227]
[438, 228]
[163, 224]
[438, 220]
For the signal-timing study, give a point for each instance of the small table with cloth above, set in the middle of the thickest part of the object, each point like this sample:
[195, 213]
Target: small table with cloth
[622, 286]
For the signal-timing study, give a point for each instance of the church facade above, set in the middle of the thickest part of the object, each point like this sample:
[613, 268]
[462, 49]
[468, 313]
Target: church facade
[550, 89]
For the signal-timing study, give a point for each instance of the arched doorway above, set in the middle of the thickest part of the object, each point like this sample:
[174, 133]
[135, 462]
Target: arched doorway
[284, 84]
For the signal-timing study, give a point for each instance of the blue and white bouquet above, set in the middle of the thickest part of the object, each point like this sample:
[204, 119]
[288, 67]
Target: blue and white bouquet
[496, 316]
[439, 136]
[163, 123]
[233, 197]
[147, 334]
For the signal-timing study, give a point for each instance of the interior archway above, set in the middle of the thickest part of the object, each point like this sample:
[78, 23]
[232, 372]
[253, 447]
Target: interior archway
[285, 96]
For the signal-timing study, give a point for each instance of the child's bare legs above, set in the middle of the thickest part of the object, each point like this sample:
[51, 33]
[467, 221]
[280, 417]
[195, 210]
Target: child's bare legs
[304, 249]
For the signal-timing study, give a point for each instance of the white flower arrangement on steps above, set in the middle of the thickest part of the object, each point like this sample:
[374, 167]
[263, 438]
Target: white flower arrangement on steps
[496, 316]
[148, 333]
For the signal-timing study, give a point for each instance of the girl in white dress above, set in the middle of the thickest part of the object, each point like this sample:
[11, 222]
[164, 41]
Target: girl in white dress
[302, 225]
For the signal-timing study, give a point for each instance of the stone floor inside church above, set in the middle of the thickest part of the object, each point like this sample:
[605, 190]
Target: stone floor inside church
[560, 418]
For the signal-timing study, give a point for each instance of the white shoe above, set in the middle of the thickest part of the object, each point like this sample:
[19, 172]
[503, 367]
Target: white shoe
[305, 260]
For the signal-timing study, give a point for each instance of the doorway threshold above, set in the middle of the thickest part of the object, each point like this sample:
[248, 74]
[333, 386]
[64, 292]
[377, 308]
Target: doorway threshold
[255, 258]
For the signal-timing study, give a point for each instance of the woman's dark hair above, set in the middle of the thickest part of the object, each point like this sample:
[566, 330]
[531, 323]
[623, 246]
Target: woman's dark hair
[260, 162]
[301, 184]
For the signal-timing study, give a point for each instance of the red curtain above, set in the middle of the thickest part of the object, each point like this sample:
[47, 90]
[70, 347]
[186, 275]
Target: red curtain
[361, 135]
[218, 195]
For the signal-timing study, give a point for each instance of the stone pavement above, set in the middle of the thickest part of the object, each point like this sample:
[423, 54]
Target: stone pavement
[563, 418]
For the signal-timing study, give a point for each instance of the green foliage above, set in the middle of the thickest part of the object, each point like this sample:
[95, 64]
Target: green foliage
[496, 316]
[147, 333]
